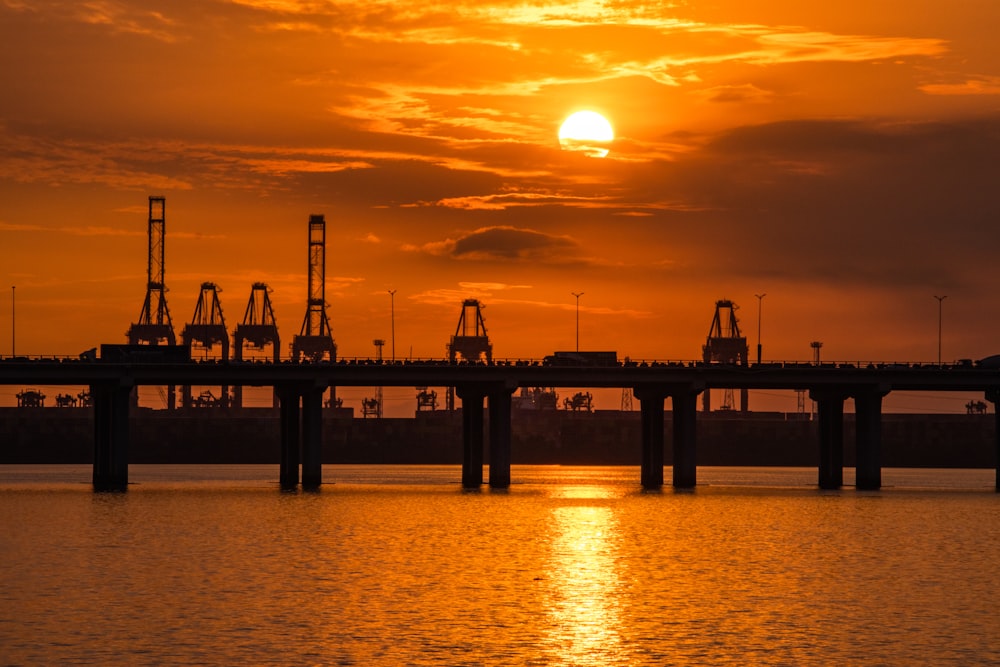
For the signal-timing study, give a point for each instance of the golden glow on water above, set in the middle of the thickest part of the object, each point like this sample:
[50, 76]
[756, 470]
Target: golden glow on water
[572, 566]
[582, 582]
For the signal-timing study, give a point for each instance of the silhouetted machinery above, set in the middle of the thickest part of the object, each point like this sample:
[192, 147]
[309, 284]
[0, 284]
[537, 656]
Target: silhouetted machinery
[154, 326]
[370, 407]
[206, 330]
[30, 398]
[66, 401]
[470, 342]
[581, 402]
[725, 345]
[535, 398]
[426, 399]
[256, 333]
[315, 340]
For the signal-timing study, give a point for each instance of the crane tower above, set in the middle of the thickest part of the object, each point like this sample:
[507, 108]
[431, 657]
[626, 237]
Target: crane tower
[154, 326]
[726, 345]
[256, 332]
[315, 340]
[470, 341]
[206, 330]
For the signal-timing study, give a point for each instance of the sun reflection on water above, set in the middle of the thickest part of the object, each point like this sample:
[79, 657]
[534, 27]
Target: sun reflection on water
[583, 580]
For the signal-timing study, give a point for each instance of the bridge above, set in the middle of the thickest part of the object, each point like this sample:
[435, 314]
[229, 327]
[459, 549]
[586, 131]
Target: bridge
[299, 387]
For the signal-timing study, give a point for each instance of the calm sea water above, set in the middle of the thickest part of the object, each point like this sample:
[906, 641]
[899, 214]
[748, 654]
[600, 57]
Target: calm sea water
[572, 566]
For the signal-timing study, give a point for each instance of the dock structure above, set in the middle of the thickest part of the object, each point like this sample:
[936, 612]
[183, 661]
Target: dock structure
[300, 388]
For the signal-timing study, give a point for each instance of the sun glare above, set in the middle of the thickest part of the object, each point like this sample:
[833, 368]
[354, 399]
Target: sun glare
[586, 131]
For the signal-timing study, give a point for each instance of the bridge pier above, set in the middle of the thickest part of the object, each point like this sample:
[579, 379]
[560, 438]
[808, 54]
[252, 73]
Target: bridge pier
[288, 476]
[301, 435]
[651, 414]
[868, 427]
[993, 396]
[312, 438]
[111, 435]
[499, 406]
[684, 403]
[472, 434]
[830, 406]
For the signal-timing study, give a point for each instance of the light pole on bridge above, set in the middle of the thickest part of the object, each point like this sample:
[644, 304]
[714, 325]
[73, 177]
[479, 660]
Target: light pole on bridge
[577, 295]
[13, 321]
[392, 320]
[940, 300]
[760, 301]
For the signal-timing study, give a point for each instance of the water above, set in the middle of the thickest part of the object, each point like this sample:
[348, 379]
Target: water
[571, 566]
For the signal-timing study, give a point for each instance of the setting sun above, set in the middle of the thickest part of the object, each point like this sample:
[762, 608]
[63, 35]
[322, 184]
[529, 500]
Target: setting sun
[586, 131]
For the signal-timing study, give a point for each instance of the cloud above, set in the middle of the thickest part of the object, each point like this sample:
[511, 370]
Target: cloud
[87, 230]
[15, 227]
[741, 93]
[504, 243]
[982, 85]
[848, 202]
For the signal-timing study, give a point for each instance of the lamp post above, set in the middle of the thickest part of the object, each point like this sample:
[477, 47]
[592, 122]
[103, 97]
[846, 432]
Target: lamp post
[577, 295]
[392, 320]
[13, 321]
[940, 300]
[816, 345]
[760, 301]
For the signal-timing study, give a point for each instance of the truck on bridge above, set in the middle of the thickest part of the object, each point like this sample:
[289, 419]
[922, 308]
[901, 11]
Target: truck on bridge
[591, 359]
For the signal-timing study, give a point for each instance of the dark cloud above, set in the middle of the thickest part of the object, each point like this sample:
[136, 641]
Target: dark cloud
[505, 243]
[846, 202]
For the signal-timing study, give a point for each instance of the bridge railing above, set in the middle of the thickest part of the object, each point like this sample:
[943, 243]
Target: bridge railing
[527, 361]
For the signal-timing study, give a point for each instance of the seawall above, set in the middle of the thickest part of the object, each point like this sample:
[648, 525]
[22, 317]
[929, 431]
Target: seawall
[251, 435]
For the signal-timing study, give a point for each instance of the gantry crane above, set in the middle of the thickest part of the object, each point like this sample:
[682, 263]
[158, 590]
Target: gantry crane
[470, 341]
[726, 345]
[315, 340]
[154, 326]
[257, 331]
[207, 330]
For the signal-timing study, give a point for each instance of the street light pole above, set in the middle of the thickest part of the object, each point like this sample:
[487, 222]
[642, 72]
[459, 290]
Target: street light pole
[392, 320]
[577, 295]
[940, 300]
[760, 301]
[13, 321]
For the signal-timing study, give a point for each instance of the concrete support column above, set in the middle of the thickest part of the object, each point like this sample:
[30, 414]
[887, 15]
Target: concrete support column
[290, 442]
[651, 414]
[685, 406]
[993, 396]
[830, 422]
[996, 445]
[111, 436]
[312, 438]
[500, 405]
[472, 435]
[868, 424]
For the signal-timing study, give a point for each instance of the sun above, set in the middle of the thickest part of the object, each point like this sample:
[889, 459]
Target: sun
[586, 131]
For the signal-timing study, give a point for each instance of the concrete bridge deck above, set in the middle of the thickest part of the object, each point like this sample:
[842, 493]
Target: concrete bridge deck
[300, 388]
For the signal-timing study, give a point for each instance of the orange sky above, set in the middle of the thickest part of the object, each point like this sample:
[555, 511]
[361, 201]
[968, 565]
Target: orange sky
[841, 158]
